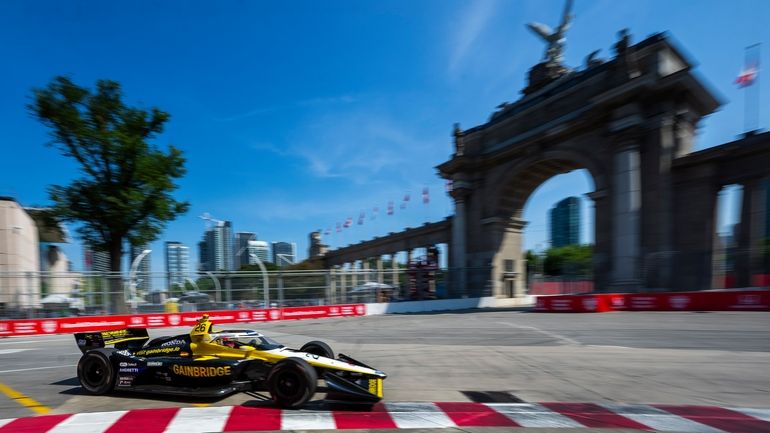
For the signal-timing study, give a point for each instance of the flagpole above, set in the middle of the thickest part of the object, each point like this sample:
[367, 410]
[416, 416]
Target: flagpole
[751, 100]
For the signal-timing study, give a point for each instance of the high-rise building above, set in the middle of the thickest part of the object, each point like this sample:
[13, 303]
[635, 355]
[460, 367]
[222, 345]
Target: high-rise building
[143, 269]
[203, 255]
[284, 253]
[317, 248]
[216, 249]
[241, 248]
[259, 249]
[95, 260]
[565, 222]
[177, 263]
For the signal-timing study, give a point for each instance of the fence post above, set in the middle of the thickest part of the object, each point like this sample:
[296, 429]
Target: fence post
[280, 288]
[105, 295]
[329, 289]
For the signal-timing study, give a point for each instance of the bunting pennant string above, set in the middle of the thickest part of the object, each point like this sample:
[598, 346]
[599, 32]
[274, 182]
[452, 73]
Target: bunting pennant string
[425, 195]
[390, 208]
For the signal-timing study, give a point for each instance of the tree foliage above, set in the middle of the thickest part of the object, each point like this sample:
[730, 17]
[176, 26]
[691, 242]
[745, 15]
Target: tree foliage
[124, 191]
[570, 260]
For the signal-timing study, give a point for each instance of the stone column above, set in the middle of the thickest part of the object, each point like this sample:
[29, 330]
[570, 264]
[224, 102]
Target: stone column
[394, 271]
[365, 270]
[458, 248]
[380, 274]
[748, 261]
[626, 203]
[343, 298]
[354, 273]
[602, 244]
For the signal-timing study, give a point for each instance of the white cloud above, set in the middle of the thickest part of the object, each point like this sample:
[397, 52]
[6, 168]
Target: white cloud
[473, 21]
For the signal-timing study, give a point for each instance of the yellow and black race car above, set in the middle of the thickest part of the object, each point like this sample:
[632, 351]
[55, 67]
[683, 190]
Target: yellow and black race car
[205, 363]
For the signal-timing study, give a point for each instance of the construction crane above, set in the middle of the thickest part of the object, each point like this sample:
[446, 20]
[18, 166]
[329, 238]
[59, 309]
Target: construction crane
[210, 219]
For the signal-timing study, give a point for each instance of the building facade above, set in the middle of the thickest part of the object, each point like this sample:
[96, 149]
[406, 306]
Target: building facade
[216, 249]
[565, 222]
[242, 248]
[260, 249]
[284, 253]
[177, 263]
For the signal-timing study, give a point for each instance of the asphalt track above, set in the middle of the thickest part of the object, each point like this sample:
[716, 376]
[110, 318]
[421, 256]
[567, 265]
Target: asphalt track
[489, 356]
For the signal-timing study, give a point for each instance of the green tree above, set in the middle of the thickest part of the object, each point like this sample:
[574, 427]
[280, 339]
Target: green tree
[571, 260]
[124, 190]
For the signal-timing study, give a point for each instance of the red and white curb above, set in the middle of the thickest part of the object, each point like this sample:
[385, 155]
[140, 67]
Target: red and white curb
[696, 419]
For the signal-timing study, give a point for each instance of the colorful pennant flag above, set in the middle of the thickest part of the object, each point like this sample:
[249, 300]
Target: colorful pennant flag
[425, 195]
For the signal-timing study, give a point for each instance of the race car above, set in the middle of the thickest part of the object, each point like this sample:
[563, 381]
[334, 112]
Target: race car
[205, 363]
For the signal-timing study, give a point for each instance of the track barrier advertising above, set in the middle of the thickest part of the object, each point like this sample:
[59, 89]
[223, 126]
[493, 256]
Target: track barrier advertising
[728, 300]
[66, 325]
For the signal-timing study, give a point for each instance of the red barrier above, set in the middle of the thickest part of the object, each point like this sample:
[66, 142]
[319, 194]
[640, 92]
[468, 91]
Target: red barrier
[726, 300]
[65, 325]
[560, 287]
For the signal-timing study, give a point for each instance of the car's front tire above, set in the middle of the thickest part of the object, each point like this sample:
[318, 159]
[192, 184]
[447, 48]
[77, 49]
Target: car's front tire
[292, 382]
[318, 348]
[95, 372]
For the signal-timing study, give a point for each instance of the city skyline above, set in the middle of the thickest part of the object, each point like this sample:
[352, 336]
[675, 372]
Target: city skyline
[315, 140]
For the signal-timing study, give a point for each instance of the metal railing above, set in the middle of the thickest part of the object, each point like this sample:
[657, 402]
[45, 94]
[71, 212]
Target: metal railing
[43, 294]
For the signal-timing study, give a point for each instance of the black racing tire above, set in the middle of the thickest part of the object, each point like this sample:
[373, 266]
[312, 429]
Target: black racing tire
[95, 372]
[292, 382]
[318, 348]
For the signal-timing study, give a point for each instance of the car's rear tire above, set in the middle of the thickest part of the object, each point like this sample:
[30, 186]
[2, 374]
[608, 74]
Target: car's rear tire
[292, 382]
[318, 348]
[95, 372]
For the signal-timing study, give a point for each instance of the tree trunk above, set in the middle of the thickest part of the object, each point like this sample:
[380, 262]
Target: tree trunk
[117, 291]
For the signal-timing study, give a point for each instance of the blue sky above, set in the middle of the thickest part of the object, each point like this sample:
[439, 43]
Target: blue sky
[296, 115]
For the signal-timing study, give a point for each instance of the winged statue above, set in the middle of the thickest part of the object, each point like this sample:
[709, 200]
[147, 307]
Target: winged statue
[554, 38]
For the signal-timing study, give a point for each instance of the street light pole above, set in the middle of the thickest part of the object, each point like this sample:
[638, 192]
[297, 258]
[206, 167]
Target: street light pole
[132, 277]
[216, 284]
[264, 274]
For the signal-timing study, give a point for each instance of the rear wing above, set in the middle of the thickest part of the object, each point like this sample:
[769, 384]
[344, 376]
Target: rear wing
[129, 338]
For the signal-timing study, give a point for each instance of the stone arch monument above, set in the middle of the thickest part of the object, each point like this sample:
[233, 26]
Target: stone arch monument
[624, 120]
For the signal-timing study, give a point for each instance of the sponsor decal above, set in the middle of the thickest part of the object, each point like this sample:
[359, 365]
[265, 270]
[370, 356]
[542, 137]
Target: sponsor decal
[590, 304]
[123, 364]
[123, 352]
[174, 342]
[4, 327]
[360, 310]
[561, 304]
[137, 320]
[81, 342]
[749, 299]
[243, 315]
[195, 371]
[157, 351]
[618, 301]
[128, 370]
[114, 334]
[49, 326]
[174, 319]
[679, 302]
[184, 353]
[154, 364]
[274, 314]
[334, 311]
[93, 324]
[125, 380]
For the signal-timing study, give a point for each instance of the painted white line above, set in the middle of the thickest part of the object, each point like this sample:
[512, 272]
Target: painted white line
[32, 341]
[533, 415]
[97, 422]
[609, 346]
[199, 419]
[9, 351]
[300, 420]
[418, 415]
[5, 421]
[38, 368]
[763, 414]
[553, 335]
[658, 419]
